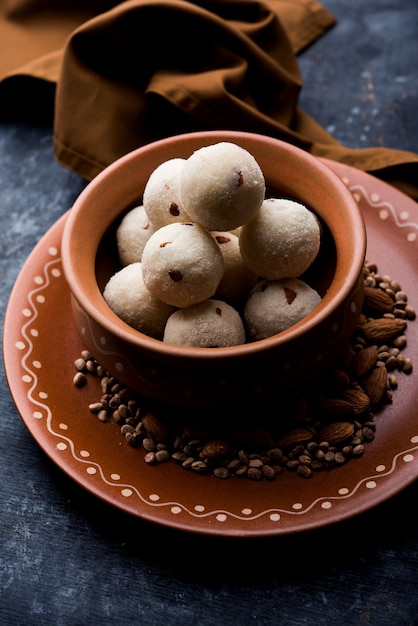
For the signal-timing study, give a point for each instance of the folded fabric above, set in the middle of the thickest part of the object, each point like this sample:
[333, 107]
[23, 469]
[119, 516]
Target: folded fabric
[127, 73]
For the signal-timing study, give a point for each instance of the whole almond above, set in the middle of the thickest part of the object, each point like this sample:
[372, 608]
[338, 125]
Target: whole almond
[293, 438]
[359, 401]
[364, 361]
[155, 427]
[335, 407]
[376, 385]
[377, 300]
[336, 433]
[383, 330]
[338, 378]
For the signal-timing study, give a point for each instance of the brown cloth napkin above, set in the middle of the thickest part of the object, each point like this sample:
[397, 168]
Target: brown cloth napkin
[127, 73]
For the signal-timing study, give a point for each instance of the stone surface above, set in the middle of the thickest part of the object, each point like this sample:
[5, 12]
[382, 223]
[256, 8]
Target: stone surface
[67, 558]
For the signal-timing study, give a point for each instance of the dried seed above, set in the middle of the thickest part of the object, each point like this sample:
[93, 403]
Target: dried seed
[179, 456]
[233, 464]
[376, 385]
[100, 371]
[410, 313]
[80, 364]
[91, 366]
[368, 434]
[254, 473]
[305, 459]
[243, 457]
[148, 444]
[364, 361]
[114, 402]
[304, 471]
[390, 363]
[350, 389]
[339, 379]
[79, 380]
[155, 427]
[375, 299]
[393, 381]
[268, 472]
[358, 450]
[359, 401]
[294, 437]
[187, 463]
[162, 456]
[216, 448]
[150, 458]
[296, 451]
[382, 330]
[407, 366]
[132, 439]
[335, 407]
[275, 455]
[336, 433]
[329, 457]
[103, 415]
[95, 407]
[317, 465]
[221, 472]
[399, 342]
[117, 418]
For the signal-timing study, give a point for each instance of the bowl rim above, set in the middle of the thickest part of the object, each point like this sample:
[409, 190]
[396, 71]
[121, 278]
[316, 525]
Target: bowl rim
[96, 307]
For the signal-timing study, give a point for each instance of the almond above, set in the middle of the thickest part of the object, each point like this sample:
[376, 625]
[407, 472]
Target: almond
[383, 330]
[335, 407]
[339, 379]
[377, 300]
[364, 361]
[359, 401]
[155, 427]
[376, 385]
[294, 438]
[336, 433]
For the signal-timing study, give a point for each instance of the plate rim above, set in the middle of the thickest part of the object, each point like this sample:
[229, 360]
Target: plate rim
[394, 487]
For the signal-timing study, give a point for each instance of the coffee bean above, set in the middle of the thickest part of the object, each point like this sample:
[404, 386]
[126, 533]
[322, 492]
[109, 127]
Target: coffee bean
[248, 450]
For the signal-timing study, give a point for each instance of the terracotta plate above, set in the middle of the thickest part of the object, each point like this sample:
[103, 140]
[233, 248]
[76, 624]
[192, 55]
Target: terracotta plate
[40, 345]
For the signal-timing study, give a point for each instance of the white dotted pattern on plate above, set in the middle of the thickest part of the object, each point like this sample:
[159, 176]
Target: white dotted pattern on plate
[38, 297]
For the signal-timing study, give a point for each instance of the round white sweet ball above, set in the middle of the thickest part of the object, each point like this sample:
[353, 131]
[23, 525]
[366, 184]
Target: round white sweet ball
[209, 324]
[275, 305]
[127, 296]
[131, 235]
[238, 279]
[281, 241]
[161, 197]
[222, 186]
[182, 264]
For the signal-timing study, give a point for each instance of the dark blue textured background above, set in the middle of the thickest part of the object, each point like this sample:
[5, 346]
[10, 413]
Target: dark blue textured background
[68, 559]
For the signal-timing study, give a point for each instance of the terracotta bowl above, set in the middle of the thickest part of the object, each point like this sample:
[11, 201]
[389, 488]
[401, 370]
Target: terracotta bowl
[210, 377]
